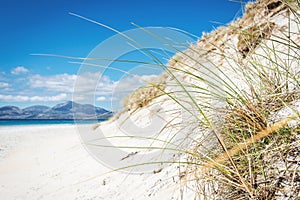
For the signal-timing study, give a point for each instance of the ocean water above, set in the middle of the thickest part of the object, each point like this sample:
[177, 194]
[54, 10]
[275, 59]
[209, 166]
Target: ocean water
[22, 122]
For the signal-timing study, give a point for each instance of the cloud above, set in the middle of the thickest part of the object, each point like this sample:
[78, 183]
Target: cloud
[20, 98]
[85, 83]
[56, 83]
[4, 85]
[93, 83]
[88, 83]
[83, 87]
[102, 98]
[129, 84]
[19, 70]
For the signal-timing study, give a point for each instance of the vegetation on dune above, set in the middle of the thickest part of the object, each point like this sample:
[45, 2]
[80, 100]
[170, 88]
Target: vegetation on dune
[256, 155]
[248, 146]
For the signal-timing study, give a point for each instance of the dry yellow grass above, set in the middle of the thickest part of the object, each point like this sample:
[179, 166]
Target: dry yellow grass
[250, 141]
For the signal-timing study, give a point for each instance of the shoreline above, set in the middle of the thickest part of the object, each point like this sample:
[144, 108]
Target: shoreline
[43, 122]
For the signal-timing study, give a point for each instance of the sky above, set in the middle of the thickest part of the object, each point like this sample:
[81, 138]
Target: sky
[34, 27]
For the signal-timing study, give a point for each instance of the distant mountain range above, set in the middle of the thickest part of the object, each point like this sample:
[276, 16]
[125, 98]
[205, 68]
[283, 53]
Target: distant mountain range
[67, 110]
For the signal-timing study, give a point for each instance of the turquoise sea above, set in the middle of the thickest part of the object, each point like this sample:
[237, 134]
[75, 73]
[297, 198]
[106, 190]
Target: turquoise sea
[16, 122]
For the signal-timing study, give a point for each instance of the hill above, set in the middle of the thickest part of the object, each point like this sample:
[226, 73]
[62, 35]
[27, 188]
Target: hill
[67, 110]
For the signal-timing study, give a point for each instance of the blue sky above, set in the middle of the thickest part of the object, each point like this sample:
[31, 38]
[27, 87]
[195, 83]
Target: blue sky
[46, 27]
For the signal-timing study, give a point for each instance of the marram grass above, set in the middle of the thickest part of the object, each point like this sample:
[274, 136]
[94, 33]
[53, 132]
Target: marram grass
[254, 155]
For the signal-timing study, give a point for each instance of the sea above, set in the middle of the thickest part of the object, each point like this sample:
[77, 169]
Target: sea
[22, 122]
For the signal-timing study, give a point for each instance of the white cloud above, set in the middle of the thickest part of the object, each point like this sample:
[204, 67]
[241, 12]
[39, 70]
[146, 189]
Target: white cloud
[57, 83]
[88, 83]
[4, 85]
[20, 98]
[85, 83]
[83, 87]
[102, 98]
[19, 70]
[129, 84]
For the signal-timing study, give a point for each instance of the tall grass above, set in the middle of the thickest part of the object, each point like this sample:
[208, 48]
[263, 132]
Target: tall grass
[255, 153]
[251, 158]
[239, 100]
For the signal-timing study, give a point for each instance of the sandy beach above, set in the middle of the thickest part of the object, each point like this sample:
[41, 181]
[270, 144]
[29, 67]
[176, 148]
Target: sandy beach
[221, 121]
[46, 162]
[49, 162]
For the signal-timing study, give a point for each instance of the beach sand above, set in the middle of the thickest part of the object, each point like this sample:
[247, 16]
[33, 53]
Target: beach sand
[46, 162]
[49, 162]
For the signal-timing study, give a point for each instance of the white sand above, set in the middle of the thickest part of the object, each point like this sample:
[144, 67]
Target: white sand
[46, 162]
[49, 162]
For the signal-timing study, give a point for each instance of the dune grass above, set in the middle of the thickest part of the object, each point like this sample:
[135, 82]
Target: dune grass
[256, 154]
[255, 157]
[245, 149]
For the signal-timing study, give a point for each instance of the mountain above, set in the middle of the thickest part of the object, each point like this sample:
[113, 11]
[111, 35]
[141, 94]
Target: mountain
[66, 110]
[32, 111]
[10, 111]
